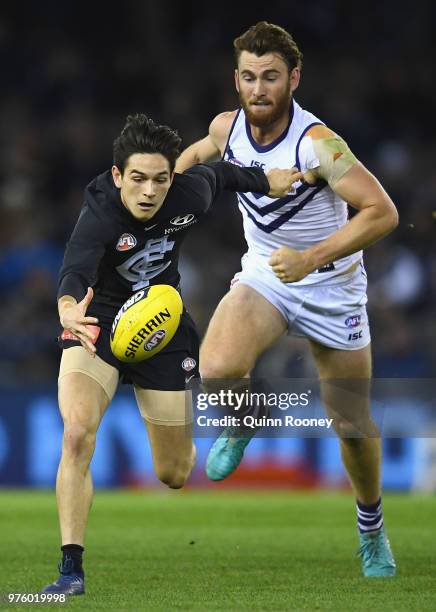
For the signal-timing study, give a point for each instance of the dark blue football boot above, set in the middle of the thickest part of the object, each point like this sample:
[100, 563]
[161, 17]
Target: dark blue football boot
[69, 582]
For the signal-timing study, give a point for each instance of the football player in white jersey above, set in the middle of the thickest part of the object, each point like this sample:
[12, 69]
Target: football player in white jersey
[303, 271]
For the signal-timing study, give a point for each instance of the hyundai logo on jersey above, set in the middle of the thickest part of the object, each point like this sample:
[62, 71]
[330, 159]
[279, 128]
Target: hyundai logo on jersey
[182, 220]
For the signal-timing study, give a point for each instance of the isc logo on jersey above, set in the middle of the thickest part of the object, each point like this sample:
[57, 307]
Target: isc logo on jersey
[146, 323]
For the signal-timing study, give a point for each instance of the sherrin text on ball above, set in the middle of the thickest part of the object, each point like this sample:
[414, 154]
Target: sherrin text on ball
[146, 323]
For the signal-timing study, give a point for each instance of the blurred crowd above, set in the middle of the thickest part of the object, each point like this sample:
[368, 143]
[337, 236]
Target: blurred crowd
[72, 71]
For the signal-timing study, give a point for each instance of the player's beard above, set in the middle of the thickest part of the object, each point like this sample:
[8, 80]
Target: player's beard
[275, 112]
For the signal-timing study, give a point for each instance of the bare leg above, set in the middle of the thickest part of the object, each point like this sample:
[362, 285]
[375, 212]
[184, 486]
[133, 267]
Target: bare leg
[170, 440]
[243, 326]
[82, 403]
[350, 409]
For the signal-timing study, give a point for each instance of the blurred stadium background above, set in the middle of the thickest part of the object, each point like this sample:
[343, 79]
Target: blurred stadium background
[72, 71]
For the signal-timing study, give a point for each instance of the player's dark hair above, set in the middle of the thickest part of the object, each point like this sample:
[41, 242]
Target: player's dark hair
[266, 37]
[142, 135]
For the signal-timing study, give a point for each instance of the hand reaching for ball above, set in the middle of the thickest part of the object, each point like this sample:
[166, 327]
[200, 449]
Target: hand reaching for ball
[73, 318]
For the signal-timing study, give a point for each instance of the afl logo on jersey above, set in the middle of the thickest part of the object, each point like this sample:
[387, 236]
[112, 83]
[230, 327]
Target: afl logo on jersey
[182, 220]
[126, 242]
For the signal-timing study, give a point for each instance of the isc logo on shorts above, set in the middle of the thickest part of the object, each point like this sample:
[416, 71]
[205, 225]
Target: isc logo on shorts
[355, 335]
[353, 322]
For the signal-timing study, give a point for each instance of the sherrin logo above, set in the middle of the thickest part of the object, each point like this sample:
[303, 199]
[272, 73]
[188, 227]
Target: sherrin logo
[353, 321]
[126, 242]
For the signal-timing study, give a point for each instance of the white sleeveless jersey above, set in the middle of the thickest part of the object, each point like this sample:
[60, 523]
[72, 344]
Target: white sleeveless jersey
[300, 220]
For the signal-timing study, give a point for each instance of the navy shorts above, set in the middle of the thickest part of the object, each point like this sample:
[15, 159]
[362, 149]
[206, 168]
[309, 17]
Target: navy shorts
[169, 370]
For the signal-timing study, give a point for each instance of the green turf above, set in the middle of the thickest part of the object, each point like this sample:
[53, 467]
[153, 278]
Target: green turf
[222, 551]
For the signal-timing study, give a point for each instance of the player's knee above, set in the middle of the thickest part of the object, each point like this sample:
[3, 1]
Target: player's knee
[352, 432]
[347, 431]
[218, 368]
[175, 474]
[78, 441]
[172, 479]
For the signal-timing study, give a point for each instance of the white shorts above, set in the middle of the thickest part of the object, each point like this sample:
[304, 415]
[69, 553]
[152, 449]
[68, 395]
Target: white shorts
[332, 315]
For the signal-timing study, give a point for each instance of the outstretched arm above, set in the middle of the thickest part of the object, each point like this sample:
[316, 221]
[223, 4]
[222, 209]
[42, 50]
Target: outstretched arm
[219, 176]
[78, 274]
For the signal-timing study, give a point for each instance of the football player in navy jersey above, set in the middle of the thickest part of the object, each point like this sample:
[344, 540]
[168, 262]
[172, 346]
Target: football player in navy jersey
[128, 235]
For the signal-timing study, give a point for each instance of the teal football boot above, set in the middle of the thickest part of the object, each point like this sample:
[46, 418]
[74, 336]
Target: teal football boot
[225, 455]
[376, 555]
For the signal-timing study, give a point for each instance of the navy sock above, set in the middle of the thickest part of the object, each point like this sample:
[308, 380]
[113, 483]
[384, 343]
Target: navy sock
[369, 518]
[73, 552]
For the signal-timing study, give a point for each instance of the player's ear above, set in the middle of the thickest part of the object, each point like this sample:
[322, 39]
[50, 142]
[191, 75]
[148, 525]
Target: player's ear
[237, 80]
[117, 176]
[295, 78]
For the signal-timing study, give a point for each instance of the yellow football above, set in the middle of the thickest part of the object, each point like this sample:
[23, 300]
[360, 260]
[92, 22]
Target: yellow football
[145, 323]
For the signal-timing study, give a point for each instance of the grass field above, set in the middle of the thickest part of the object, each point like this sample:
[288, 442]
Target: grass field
[222, 551]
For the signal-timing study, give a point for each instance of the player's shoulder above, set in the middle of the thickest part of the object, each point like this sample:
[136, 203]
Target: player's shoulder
[101, 185]
[101, 197]
[308, 124]
[191, 188]
[192, 178]
[221, 125]
[223, 121]
[319, 131]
